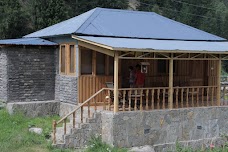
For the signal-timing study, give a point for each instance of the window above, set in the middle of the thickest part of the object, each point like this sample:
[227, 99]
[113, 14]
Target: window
[100, 63]
[86, 61]
[72, 59]
[163, 66]
[95, 63]
[62, 60]
[111, 65]
[67, 59]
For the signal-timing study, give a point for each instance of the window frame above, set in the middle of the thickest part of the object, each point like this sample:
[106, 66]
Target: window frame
[67, 59]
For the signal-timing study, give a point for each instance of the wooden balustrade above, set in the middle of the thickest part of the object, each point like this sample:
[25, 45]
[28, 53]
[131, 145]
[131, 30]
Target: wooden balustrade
[194, 96]
[133, 99]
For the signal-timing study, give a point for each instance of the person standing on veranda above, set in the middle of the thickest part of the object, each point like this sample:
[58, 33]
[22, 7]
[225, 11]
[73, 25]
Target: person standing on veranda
[139, 77]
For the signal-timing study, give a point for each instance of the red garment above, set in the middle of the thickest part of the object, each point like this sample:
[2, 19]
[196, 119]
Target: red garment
[140, 78]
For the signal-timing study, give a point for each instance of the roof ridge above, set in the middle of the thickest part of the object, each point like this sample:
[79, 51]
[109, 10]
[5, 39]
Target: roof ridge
[96, 12]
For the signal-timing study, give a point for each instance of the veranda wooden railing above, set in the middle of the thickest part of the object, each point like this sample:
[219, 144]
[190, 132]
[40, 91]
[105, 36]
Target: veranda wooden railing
[194, 96]
[87, 104]
[132, 99]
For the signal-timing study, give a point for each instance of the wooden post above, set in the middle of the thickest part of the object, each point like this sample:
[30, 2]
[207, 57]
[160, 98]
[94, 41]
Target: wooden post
[116, 69]
[54, 131]
[219, 67]
[170, 98]
[74, 113]
[79, 61]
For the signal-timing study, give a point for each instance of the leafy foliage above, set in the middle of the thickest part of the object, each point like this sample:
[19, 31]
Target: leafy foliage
[208, 15]
[21, 17]
[96, 145]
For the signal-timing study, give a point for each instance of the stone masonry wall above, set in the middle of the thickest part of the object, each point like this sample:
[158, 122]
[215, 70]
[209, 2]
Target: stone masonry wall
[66, 87]
[31, 74]
[3, 75]
[127, 129]
[35, 108]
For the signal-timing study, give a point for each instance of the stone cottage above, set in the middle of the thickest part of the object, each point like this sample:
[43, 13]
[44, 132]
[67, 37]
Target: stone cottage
[81, 65]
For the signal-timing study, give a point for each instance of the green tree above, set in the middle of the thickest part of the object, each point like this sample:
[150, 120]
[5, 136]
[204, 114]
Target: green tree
[48, 12]
[14, 21]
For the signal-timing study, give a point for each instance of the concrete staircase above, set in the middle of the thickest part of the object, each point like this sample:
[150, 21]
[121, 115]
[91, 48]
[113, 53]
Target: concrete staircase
[79, 136]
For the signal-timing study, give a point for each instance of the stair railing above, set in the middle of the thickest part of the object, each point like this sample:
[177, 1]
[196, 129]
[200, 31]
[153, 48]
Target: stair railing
[86, 103]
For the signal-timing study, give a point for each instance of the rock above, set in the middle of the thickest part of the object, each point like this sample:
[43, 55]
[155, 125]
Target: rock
[146, 148]
[36, 130]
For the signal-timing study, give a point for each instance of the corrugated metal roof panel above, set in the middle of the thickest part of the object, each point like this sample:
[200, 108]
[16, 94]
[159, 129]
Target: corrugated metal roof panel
[136, 24]
[66, 27]
[125, 23]
[164, 45]
[26, 41]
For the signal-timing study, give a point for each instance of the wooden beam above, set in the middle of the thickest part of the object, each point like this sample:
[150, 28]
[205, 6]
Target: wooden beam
[219, 68]
[170, 95]
[157, 58]
[79, 61]
[116, 71]
[96, 48]
[125, 54]
[168, 51]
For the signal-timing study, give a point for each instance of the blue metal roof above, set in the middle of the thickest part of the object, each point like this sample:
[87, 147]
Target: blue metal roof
[162, 45]
[26, 41]
[125, 23]
[66, 27]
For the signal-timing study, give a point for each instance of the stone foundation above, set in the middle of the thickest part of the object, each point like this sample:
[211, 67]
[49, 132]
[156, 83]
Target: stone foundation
[200, 144]
[158, 127]
[34, 109]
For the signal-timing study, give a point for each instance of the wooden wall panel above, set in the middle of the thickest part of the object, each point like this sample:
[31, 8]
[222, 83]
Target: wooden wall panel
[212, 73]
[186, 73]
[89, 85]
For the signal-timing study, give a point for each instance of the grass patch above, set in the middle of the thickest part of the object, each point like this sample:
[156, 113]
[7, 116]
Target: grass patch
[15, 137]
[180, 148]
[96, 145]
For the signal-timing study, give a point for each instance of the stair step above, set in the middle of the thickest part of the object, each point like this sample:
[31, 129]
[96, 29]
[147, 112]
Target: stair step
[84, 125]
[64, 140]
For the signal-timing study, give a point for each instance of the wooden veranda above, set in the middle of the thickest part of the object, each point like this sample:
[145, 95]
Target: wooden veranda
[175, 79]
[187, 79]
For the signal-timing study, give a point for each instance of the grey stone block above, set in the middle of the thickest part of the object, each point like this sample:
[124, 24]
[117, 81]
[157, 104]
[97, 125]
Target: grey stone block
[34, 109]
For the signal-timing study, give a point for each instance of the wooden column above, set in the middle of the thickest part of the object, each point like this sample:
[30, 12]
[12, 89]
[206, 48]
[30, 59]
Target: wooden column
[170, 97]
[78, 60]
[219, 68]
[116, 69]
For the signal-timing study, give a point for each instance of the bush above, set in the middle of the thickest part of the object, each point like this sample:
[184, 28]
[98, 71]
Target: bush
[96, 145]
